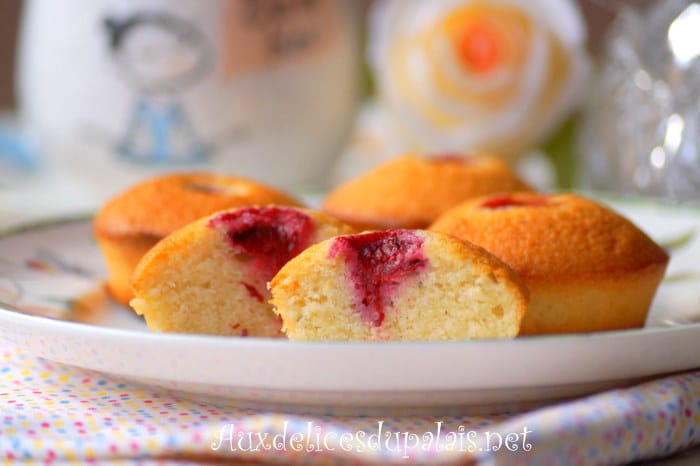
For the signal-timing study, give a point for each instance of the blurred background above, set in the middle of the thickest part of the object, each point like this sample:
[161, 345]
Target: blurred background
[598, 13]
[9, 25]
[305, 94]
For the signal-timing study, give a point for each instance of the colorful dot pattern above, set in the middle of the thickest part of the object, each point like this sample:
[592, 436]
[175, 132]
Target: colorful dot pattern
[51, 413]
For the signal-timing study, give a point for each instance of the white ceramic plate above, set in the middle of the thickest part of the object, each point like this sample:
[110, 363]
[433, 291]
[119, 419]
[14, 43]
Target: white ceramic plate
[53, 306]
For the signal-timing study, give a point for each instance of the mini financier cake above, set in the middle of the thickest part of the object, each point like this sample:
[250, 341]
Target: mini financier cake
[210, 277]
[131, 223]
[397, 285]
[411, 191]
[587, 267]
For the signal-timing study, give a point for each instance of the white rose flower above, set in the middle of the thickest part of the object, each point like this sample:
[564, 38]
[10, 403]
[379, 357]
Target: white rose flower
[477, 75]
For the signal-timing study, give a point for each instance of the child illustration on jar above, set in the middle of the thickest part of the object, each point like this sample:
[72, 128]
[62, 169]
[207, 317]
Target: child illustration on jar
[159, 56]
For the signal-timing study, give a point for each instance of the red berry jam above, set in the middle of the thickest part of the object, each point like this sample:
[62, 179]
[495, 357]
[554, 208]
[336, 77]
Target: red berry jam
[451, 157]
[506, 200]
[253, 292]
[270, 236]
[378, 263]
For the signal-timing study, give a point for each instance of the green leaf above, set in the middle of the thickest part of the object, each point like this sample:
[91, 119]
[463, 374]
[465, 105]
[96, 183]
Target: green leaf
[560, 149]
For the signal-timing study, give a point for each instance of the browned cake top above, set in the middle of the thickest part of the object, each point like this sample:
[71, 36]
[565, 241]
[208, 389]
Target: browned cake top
[159, 206]
[553, 237]
[411, 192]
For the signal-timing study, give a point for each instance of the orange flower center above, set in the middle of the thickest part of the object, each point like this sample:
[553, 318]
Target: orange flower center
[480, 47]
[486, 37]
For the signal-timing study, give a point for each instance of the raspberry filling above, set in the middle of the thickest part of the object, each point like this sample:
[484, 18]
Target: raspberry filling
[253, 292]
[451, 157]
[267, 237]
[505, 201]
[378, 263]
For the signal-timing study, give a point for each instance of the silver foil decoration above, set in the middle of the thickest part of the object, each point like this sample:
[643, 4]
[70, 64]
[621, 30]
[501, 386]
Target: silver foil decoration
[641, 128]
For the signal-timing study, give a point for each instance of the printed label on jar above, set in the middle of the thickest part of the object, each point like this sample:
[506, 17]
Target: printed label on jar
[262, 33]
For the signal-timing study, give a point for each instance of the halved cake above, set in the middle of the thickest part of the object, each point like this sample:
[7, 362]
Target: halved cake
[210, 277]
[130, 224]
[397, 285]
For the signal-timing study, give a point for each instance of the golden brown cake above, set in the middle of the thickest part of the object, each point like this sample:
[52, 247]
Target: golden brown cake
[131, 223]
[397, 285]
[411, 191]
[210, 277]
[587, 267]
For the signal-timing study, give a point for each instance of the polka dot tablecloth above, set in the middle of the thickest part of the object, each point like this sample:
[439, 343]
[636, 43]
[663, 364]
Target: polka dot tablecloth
[56, 414]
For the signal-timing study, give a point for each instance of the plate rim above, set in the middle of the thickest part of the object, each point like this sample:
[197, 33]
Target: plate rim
[572, 347]
[62, 324]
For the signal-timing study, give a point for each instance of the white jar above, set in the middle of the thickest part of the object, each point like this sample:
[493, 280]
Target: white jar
[118, 90]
